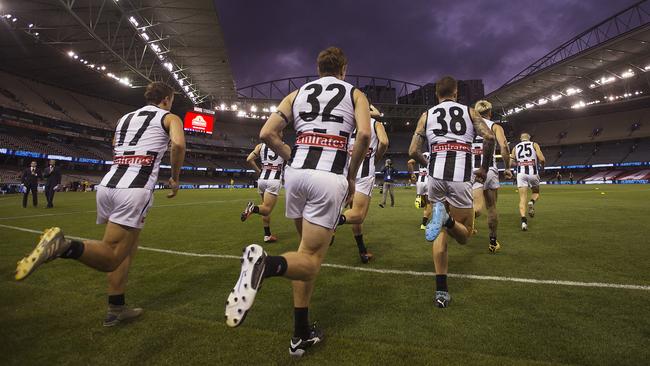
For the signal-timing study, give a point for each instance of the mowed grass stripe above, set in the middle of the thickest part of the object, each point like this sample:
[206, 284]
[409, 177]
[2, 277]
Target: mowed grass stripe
[388, 271]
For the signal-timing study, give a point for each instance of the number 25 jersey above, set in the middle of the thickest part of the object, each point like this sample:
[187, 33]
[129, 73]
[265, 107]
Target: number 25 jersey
[450, 132]
[323, 114]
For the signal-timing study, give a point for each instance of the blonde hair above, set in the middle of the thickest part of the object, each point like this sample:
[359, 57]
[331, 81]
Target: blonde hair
[525, 136]
[483, 107]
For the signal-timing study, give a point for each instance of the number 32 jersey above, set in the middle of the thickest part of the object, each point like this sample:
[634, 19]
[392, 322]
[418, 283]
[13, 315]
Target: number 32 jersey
[140, 143]
[323, 113]
[450, 132]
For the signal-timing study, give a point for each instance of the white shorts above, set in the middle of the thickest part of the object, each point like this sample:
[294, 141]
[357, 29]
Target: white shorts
[527, 180]
[491, 180]
[457, 194]
[315, 195]
[422, 188]
[272, 186]
[365, 185]
[123, 206]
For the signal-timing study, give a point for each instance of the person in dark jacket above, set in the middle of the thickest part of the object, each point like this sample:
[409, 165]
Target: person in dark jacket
[53, 175]
[30, 181]
[389, 174]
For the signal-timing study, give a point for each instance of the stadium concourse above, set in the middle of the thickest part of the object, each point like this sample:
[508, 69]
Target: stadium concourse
[586, 103]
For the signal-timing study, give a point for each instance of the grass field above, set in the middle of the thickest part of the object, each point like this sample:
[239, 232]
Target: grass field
[578, 235]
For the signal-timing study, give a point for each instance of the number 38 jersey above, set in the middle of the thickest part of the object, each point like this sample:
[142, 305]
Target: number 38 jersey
[450, 133]
[323, 113]
[526, 157]
[271, 163]
[140, 143]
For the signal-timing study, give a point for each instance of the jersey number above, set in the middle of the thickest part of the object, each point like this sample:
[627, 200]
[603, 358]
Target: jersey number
[149, 115]
[272, 156]
[457, 122]
[312, 99]
[524, 151]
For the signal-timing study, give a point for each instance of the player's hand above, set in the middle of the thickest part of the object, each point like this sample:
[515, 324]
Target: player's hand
[174, 187]
[508, 174]
[480, 175]
[351, 190]
[414, 179]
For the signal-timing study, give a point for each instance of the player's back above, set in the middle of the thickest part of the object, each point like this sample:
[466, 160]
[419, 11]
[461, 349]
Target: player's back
[368, 164]
[477, 148]
[139, 144]
[526, 157]
[272, 163]
[423, 170]
[450, 132]
[323, 113]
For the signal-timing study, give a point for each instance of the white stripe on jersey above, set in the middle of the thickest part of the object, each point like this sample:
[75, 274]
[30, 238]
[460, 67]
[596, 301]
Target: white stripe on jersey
[323, 113]
[139, 146]
[272, 163]
[367, 167]
[450, 132]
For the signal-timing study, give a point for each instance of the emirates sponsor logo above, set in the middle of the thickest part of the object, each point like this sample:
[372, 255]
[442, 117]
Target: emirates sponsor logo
[525, 163]
[451, 146]
[199, 122]
[272, 167]
[323, 140]
[477, 150]
[142, 160]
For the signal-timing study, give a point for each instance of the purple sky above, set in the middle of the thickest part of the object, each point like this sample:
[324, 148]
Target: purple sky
[411, 40]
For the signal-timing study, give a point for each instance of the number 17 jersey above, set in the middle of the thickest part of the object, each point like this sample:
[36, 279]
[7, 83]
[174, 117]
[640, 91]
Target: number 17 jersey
[323, 114]
[450, 132]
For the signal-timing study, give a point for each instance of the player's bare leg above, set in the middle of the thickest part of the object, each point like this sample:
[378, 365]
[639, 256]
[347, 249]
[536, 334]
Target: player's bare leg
[523, 197]
[479, 201]
[117, 280]
[268, 203]
[426, 214]
[493, 218]
[355, 216]
[533, 199]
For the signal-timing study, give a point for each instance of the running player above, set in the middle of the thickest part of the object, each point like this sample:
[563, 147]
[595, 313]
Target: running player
[449, 129]
[318, 178]
[364, 184]
[124, 197]
[528, 156]
[421, 188]
[485, 194]
[268, 186]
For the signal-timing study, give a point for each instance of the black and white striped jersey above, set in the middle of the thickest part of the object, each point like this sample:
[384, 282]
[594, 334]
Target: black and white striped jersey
[450, 132]
[526, 157]
[423, 170]
[139, 145]
[272, 163]
[477, 148]
[368, 164]
[323, 113]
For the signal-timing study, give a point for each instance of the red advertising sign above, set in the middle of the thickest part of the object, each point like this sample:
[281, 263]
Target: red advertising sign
[199, 122]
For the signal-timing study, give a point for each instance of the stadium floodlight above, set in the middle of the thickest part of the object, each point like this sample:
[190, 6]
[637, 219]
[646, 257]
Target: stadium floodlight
[222, 106]
[70, 53]
[580, 104]
[233, 107]
[133, 21]
[542, 101]
[8, 16]
[591, 86]
[75, 57]
[241, 114]
[168, 66]
[529, 105]
[647, 68]
[144, 36]
[572, 91]
[181, 82]
[273, 109]
[14, 20]
[628, 74]
[175, 76]
[186, 88]
[265, 110]
[103, 67]
[36, 34]
[31, 25]
[253, 108]
[555, 97]
[191, 94]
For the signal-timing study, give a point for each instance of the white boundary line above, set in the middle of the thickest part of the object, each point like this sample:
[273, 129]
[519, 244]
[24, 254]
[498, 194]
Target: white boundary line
[387, 271]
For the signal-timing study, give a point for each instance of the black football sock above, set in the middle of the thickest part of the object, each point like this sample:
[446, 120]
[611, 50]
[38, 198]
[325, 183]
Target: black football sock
[424, 220]
[524, 219]
[116, 300]
[276, 265]
[256, 209]
[360, 244]
[75, 251]
[267, 231]
[342, 219]
[493, 240]
[532, 201]
[301, 323]
[441, 283]
[449, 223]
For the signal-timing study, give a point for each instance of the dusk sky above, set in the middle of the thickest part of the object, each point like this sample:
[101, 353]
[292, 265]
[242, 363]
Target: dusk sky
[412, 40]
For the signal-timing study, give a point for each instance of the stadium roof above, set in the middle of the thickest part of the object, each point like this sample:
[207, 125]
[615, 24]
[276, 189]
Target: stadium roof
[607, 63]
[130, 41]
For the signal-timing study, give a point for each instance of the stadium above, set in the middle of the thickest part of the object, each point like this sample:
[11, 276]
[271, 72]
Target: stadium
[573, 289]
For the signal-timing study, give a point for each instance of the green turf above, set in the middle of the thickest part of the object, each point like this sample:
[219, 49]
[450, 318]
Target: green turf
[579, 234]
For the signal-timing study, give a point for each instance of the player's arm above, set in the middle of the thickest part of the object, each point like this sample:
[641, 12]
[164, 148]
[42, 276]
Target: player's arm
[174, 125]
[382, 137]
[374, 112]
[484, 131]
[415, 149]
[540, 156]
[277, 121]
[504, 150]
[362, 140]
[250, 160]
[410, 165]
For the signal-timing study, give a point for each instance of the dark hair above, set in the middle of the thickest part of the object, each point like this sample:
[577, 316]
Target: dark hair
[446, 87]
[331, 61]
[157, 91]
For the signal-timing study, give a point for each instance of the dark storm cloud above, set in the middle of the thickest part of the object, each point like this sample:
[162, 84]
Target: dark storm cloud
[415, 41]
